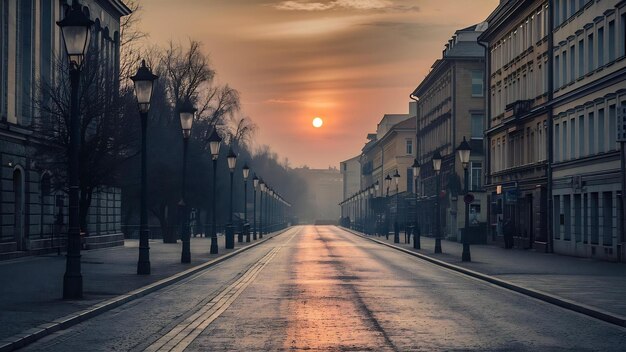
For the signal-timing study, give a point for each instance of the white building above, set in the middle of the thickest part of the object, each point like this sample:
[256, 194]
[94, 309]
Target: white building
[589, 87]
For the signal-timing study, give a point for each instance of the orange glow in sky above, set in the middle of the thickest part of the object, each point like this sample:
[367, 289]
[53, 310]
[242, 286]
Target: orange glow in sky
[348, 60]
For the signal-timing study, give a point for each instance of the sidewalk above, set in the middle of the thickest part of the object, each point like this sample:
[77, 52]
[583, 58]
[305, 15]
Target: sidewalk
[31, 287]
[594, 283]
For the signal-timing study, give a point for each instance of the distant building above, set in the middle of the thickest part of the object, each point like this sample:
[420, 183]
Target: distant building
[391, 149]
[325, 187]
[451, 106]
[351, 172]
[589, 88]
[30, 43]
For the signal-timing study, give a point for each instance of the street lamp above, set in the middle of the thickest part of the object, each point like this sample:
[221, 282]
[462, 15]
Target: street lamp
[75, 28]
[416, 235]
[464, 150]
[396, 226]
[255, 184]
[214, 144]
[246, 172]
[261, 205]
[186, 113]
[437, 168]
[376, 225]
[230, 229]
[144, 84]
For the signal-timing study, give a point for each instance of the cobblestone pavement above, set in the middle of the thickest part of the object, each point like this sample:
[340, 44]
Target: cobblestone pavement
[323, 289]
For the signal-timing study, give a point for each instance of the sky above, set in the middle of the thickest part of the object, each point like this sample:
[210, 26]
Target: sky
[346, 61]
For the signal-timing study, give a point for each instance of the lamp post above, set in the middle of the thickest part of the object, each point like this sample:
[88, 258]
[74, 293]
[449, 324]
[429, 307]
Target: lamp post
[396, 226]
[255, 185]
[416, 235]
[214, 144]
[144, 83]
[230, 228]
[437, 168]
[186, 113]
[261, 222]
[464, 150]
[376, 229]
[387, 212]
[246, 172]
[75, 28]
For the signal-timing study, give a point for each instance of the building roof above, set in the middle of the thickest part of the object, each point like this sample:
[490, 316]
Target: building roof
[120, 7]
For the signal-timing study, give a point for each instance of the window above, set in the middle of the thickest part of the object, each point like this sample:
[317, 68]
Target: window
[622, 35]
[572, 63]
[601, 133]
[476, 176]
[607, 218]
[477, 83]
[590, 66]
[564, 150]
[592, 135]
[25, 61]
[557, 134]
[611, 41]
[581, 136]
[612, 127]
[557, 70]
[409, 147]
[567, 214]
[600, 47]
[595, 223]
[565, 81]
[572, 138]
[477, 126]
[581, 58]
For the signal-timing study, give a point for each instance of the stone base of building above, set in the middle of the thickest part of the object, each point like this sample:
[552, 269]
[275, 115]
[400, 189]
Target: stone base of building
[39, 246]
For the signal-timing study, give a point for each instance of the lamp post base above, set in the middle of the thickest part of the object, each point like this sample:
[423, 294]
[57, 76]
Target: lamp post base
[214, 249]
[438, 245]
[466, 255]
[185, 256]
[72, 286]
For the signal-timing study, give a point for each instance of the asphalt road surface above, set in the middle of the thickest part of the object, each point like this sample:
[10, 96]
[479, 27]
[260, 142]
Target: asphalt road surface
[323, 289]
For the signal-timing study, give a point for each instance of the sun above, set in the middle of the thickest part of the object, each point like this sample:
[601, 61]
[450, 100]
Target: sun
[318, 122]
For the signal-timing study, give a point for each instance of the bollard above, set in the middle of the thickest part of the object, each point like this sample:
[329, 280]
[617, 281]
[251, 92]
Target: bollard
[396, 233]
[416, 238]
[230, 237]
[246, 231]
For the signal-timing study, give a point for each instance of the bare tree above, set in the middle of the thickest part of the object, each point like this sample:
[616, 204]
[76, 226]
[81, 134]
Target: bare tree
[107, 133]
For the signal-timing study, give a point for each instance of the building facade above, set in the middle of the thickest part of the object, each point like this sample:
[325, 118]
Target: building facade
[589, 40]
[516, 133]
[351, 172]
[32, 213]
[451, 107]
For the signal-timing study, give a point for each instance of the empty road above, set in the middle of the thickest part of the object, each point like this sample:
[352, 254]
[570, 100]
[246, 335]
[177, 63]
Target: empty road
[319, 288]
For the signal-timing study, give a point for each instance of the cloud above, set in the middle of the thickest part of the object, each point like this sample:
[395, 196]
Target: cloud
[299, 5]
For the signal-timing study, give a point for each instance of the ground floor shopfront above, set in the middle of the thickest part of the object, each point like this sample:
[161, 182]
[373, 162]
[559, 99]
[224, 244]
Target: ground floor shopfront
[524, 204]
[587, 209]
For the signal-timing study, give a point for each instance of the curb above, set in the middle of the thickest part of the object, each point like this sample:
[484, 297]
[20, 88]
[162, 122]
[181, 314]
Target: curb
[590, 311]
[29, 336]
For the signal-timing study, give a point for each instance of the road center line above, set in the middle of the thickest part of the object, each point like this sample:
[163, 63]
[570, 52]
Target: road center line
[181, 336]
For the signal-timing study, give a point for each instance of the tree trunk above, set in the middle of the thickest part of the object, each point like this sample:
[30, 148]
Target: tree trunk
[169, 235]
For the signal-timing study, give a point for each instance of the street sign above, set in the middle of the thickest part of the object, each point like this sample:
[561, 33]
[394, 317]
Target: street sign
[621, 123]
